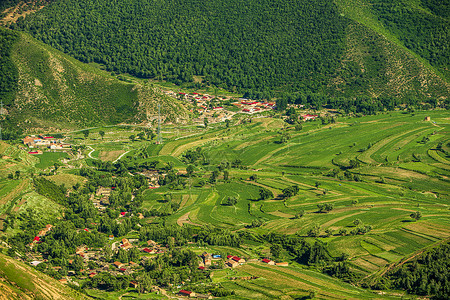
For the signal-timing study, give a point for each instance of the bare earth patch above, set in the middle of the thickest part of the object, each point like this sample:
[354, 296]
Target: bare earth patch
[110, 155]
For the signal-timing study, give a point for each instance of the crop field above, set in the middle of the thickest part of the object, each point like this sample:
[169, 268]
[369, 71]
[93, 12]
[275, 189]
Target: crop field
[275, 282]
[399, 170]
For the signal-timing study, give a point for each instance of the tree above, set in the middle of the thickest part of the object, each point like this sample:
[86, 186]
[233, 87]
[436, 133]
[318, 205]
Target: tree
[284, 137]
[17, 173]
[190, 170]
[141, 135]
[231, 200]
[85, 133]
[227, 123]
[102, 134]
[276, 250]
[416, 215]
[317, 184]
[205, 122]
[325, 207]
[265, 194]
[314, 232]
[298, 127]
[132, 137]
[226, 175]
[356, 222]
[145, 283]
[299, 214]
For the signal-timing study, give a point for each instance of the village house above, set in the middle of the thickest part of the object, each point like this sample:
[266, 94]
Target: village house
[186, 293]
[308, 117]
[268, 261]
[206, 258]
[232, 263]
[236, 259]
[282, 264]
[126, 244]
[118, 264]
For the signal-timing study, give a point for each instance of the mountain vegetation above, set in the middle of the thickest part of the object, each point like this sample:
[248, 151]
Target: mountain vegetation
[261, 46]
[42, 87]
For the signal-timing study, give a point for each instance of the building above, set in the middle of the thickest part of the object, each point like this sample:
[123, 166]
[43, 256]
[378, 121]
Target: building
[186, 293]
[236, 259]
[232, 263]
[282, 264]
[268, 261]
[118, 264]
[308, 117]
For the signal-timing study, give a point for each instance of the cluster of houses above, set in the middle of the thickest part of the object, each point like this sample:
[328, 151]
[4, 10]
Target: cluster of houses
[43, 141]
[152, 178]
[251, 107]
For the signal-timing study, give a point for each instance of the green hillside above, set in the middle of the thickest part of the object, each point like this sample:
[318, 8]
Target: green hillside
[334, 48]
[44, 88]
[19, 281]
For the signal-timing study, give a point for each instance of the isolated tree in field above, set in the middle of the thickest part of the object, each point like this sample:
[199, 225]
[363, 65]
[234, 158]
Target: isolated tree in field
[354, 202]
[17, 174]
[354, 163]
[356, 222]
[314, 232]
[299, 214]
[317, 184]
[416, 215]
[298, 127]
[325, 207]
[231, 200]
[227, 123]
[132, 137]
[102, 134]
[329, 232]
[265, 194]
[205, 122]
[141, 135]
[85, 133]
[284, 138]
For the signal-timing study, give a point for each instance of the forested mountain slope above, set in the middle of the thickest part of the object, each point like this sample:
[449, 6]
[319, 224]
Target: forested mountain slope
[45, 88]
[308, 46]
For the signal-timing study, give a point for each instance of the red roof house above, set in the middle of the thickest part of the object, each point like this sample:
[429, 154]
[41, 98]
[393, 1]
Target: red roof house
[36, 239]
[186, 293]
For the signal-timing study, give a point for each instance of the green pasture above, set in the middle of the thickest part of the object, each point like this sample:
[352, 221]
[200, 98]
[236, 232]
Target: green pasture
[48, 159]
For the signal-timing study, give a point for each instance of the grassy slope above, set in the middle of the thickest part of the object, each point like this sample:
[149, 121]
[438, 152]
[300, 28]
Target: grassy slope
[19, 281]
[377, 63]
[57, 91]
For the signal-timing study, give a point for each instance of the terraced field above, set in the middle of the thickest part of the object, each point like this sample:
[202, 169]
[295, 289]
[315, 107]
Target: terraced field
[399, 171]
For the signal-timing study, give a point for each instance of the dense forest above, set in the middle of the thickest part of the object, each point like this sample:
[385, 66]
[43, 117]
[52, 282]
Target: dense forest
[8, 71]
[236, 45]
